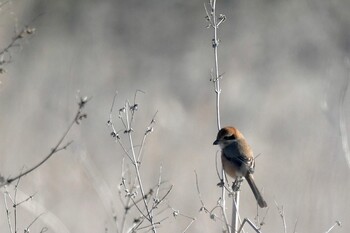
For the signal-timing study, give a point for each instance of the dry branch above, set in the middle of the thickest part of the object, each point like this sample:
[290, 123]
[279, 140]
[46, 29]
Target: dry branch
[79, 115]
[146, 203]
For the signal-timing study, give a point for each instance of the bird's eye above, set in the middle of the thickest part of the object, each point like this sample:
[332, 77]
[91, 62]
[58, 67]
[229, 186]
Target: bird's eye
[231, 137]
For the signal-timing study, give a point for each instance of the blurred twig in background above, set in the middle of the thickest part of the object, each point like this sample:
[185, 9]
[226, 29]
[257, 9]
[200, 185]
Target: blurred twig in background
[5, 53]
[20, 35]
[79, 115]
[15, 204]
[337, 223]
[13, 198]
[27, 202]
[282, 215]
[342, 118]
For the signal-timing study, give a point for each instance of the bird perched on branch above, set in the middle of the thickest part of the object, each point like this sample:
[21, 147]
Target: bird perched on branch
[237, 158]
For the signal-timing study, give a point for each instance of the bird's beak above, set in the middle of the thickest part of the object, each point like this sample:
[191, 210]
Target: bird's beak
[216, 142]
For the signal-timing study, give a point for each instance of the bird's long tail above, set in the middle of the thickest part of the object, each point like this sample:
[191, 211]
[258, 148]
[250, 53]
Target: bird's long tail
[261, 202]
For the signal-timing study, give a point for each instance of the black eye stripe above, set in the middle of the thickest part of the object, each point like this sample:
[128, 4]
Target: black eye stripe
[232, 137]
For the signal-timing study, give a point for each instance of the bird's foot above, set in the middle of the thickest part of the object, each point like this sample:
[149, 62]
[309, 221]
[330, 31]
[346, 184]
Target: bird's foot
[237, 184]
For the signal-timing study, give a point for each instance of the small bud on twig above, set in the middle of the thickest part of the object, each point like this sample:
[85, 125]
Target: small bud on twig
[149, 130]
[134, 107]
[175, 213]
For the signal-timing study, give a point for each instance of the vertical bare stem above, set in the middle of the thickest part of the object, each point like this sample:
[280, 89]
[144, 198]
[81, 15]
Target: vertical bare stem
[215, 21]
[223, 204]
[235, 208]
[282, 215]
[215, 44]
[15, 204]
[136, 165]
[8, 214]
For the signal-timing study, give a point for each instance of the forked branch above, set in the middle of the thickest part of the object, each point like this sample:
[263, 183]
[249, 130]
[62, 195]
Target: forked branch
[79, 115]
[126, 115]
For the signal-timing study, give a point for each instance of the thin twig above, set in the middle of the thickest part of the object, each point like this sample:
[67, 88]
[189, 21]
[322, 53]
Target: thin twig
[282, 215]
[337, 223]
[295, 226]
[110, 121]
[189, 225]
[136, 166]
[153, 226]
[18, 36]
[77, 118]
[217, 157]
[3, 3]
[246, 220]
[134, 107]
[212, 214]
[137, 226]
[178, 213]
[8, 214]
[199, 193]
[27, 229]
[159, 181]
[148, 194]
[25, 200]
[215, 44]
[262, 222]
[138, 208]
[156, 197]
[342, 121]
[121, 200]
[162, 199]
[154, 207]
[14, 204]
[134, 153]
[124, 149]
[148, 131]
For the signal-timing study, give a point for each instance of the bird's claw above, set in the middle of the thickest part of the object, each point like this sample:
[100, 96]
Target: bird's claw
[237, 184]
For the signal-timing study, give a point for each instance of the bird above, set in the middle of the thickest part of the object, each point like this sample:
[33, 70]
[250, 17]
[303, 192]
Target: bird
[237, 158]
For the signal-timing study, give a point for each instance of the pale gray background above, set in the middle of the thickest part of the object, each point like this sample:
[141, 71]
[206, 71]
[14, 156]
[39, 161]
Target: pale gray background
[284, 70]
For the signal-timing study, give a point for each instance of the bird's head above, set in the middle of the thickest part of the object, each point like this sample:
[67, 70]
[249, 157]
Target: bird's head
[226, 136]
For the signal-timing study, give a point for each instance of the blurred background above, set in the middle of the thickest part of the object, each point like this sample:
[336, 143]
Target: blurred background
[284, 86]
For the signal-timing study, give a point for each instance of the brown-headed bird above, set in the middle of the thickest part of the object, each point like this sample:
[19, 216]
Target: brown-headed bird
[237, 158]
